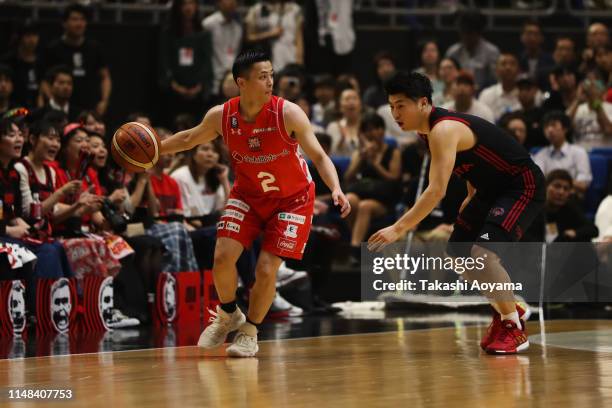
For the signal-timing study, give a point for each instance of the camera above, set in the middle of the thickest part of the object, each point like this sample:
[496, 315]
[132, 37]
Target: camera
[118, 222]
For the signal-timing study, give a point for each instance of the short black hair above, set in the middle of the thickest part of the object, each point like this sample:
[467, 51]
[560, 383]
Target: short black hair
[245, 61]
[384, 55]
[44, 126]
[559, 174]
[324, 81]
[411, 84]
[53, 72]
[556, 116]
[75, 8]
[5, 125]
[508, 117]
[559, 70]
[371, 121]
[471, 21]
[532, 22]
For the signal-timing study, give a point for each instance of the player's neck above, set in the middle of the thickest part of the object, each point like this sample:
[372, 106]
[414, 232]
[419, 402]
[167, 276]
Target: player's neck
[424, 128]
[250, 108]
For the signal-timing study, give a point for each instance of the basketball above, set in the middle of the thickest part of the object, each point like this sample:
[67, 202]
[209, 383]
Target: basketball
[135, 147]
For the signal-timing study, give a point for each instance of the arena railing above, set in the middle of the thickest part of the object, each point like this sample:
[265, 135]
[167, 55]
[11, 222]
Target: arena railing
[588, 13]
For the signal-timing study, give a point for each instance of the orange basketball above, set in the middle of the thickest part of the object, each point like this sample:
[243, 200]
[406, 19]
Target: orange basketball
[135, 147]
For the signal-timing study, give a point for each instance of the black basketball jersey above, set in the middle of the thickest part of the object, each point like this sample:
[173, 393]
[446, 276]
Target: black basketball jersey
[495, 162]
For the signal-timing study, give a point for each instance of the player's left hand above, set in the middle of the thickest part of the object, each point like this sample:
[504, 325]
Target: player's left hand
[383, 237]
[341, 201]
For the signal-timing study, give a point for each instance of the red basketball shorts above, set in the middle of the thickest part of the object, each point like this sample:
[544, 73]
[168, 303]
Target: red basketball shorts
[284, 222]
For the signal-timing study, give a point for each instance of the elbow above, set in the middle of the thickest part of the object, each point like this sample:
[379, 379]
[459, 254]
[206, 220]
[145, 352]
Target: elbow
[437, 193]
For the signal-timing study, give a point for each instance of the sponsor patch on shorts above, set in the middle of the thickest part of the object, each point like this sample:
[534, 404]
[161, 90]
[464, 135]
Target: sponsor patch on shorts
[291, 231]
[299, 219]
[232, 226]
[238, 204]
[286, 244]
[233, 214]
[220, 225]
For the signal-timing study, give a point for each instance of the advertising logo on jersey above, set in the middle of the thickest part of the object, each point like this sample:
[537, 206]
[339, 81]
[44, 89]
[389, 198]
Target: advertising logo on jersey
[291, 231]
[286, 244]
[234, 122]
[254, 144]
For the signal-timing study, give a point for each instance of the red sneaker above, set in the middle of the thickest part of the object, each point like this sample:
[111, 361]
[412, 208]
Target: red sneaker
[509, 339]
[495, 325]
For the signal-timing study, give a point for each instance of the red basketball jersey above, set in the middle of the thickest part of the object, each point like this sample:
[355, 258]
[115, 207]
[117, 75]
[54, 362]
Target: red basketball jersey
[266, 159]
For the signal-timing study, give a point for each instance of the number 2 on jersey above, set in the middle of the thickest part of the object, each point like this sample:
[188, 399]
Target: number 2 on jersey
[267, 180]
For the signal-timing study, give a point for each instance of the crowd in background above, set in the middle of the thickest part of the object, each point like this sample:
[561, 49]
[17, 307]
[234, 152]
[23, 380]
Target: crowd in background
[66, 202]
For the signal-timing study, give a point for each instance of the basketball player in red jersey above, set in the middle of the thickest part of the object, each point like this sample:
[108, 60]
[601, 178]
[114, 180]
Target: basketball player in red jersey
[273, 193]
[505, 194]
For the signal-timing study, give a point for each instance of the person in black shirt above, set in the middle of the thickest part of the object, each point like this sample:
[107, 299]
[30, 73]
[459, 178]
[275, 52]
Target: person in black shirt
[23, 60]
[532, 114]
[60, 91]
[565, 79]
[92, 79]
[505, 194]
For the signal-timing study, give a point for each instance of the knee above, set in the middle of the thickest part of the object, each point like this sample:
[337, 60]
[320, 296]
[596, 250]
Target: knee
[367, 206]
[265, 271]
[223, 256]
[481, 252]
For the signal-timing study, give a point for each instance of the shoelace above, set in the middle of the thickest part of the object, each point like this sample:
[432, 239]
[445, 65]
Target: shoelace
[244, 339]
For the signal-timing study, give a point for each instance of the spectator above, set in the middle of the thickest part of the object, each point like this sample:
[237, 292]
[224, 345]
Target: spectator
[324, 108]
[23, 60]
[474, 53]
[140, 117]
[204, 183]
[603, 217]
[186, 55]
[503, 96]
[277, 27]
[165, 188]
[565, 95]
[92, 122]
[464, 91]
[111, 182]
[375, 95]
[6, 89]
[563, 221]
[516, 125]
[561, 154]
[345, 131]
[532, 114]
[593, 117]
[228, 89]
[290, 82]
[336, 36]
[373, 178]
[565, 52]
[597, 36]
[60, 85]
[603, 58]
[430, 65]
[534, 59]
[449, 69]
[226, 32]
[85, 59]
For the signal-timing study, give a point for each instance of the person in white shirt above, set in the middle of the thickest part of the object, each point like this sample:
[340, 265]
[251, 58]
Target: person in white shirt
[561, 154]
[503, 96]
[226, 32]
[593, 118]
[280, 23]
[204, 181]
[464, 90]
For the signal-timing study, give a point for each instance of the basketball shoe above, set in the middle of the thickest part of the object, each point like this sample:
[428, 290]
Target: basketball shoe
[495, 325]
[509, 339]
[222, 324]
[243, 346]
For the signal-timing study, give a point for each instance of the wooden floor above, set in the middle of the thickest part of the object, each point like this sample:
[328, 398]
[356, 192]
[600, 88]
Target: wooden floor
[423, 368]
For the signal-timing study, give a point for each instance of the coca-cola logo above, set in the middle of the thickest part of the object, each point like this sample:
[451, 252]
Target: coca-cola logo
[286, 244]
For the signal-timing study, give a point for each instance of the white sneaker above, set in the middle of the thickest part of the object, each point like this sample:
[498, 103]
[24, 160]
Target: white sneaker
[119, 320]
[222, 324]
[286, 275]
[280, 304]
[243, 346]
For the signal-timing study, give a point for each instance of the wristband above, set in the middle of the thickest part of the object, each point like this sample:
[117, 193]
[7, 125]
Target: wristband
[596, 105]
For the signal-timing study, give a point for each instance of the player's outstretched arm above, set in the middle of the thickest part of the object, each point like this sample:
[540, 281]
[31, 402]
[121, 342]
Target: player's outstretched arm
[207, 130]
[443, 142]
[297, 123]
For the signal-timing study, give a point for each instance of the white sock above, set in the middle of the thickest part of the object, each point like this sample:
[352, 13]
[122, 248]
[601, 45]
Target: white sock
[514, 316]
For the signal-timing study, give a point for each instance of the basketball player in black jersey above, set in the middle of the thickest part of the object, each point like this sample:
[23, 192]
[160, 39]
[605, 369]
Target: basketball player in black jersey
[505, 194]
